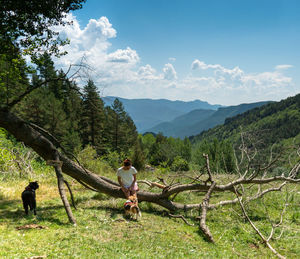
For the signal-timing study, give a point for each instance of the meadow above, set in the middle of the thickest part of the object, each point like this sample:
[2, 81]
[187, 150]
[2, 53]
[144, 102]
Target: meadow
[103, 232]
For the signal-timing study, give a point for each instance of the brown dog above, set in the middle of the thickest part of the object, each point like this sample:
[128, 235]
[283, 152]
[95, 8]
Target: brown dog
[131, 207]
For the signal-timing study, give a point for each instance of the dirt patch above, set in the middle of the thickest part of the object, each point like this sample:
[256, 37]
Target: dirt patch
[31, 226]
[253, 246]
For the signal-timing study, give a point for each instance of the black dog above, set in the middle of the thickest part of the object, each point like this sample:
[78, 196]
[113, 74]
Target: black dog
[28, 197]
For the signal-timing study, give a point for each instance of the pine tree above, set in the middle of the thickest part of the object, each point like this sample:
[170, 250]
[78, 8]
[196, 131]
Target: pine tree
[124, 132]
[93, 118]
[138, 158]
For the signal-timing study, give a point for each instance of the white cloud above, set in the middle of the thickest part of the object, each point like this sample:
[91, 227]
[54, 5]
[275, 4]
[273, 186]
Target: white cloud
[197, 64]
[120, 73]
[237, 86]
[147, 72]
[283, 67]
[169, 72]
[124, 56]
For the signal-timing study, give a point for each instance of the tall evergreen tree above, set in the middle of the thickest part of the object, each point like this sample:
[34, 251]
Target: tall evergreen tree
[124, 132]
[138, 157]
[93, 118]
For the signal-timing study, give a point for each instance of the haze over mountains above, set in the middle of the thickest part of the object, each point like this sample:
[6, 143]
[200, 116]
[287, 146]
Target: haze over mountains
[178, 118]
[147, 113]
[197, 121]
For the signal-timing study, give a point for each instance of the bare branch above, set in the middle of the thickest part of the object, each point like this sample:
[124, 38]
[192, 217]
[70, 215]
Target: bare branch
[248, 199]
[152, 184]
[257, 230]
[204, 206]
[180, 217]
[29, 90]
[208, 168]
[71, 194]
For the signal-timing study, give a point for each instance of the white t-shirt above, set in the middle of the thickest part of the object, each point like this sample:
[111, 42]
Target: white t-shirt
[127, 175]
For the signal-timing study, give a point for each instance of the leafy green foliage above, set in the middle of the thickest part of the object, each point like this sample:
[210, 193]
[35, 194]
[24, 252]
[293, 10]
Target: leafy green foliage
[274, 122]
[28, 24]
[220, 153]
[13, 77]
[138, 157]
[163, 151]
[179, 164]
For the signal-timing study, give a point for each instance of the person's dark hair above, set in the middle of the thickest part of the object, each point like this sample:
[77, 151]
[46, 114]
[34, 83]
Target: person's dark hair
[126, 162]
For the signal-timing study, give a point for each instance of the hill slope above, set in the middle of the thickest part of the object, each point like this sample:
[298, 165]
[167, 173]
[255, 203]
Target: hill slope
[146, 113]
[197, 121]
[273, 123]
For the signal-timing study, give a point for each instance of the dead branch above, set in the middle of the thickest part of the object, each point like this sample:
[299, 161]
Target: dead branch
[274, 226]
[208, 168]
[257, 230]
[152, 184]
[202, 218]
[248, 199]
[162, 180]
[57, 164]
[71, 194]
[86, 186]
[180, 217]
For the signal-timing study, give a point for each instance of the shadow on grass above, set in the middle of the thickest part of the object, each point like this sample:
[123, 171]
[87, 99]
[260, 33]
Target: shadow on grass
[9, 212]
[6, 204]
[111, 211]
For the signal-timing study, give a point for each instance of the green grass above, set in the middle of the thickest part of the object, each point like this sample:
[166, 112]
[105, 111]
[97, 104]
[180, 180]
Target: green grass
[103, 232]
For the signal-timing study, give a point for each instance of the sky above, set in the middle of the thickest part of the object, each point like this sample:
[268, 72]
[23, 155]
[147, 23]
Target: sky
[223, 52]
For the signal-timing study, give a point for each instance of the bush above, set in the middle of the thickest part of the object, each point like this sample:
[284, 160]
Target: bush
[114, 159]
[180, 164]
[89, 159]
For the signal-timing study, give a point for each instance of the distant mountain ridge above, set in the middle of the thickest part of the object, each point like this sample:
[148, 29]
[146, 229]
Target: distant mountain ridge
[146, 113]
[197, 121]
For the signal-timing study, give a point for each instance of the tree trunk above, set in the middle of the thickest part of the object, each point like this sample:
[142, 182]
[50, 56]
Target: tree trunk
[62, 192]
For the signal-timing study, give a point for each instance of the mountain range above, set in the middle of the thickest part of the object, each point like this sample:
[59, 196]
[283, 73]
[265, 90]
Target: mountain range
[147, 113]
[177, 118]
[197, 121]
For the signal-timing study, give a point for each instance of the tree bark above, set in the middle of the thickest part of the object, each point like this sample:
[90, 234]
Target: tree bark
[62, 192]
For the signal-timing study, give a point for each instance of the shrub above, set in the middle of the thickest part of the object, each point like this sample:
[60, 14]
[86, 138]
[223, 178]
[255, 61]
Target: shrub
[180, 164]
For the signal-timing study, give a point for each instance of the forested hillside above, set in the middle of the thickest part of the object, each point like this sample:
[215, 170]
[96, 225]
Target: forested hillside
[75, 119]
[273, 122]
[275, 125]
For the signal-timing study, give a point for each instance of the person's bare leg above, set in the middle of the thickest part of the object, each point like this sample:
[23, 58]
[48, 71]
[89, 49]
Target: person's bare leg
[126, 192]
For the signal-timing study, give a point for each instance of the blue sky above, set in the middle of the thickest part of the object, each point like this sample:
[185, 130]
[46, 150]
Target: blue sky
[225, 52]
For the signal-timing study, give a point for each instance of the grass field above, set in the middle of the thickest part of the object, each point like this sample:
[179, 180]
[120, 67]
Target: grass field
[103, 232]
